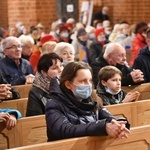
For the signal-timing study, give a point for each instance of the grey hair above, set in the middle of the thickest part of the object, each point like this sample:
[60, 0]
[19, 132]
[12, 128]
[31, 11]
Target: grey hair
[6, 41]
[25, 39]
[110, 49]
[61, 46]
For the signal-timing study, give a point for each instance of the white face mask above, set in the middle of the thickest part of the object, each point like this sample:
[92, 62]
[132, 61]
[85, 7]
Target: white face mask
[92, 36]
[110, 91]
[65, 34]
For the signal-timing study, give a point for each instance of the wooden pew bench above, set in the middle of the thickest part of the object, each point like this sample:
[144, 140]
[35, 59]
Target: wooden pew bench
[23, 90]
[32, 130]
[139, 139]
[138, 113]
[29, 130]
[19, 104]
[144, 90]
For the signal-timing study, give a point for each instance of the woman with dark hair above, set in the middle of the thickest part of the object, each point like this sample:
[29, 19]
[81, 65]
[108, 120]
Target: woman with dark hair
[74, 110]
[49, 66]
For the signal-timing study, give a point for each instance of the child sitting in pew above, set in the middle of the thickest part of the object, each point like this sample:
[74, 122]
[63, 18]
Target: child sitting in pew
[9, 117]
[109, 87]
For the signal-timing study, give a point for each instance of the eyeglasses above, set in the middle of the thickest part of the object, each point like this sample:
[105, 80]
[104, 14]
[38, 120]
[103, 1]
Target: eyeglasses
[14, 47]
[120, 55]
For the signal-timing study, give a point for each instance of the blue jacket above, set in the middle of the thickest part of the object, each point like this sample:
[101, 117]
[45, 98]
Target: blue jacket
[13, 74]
[11, 112]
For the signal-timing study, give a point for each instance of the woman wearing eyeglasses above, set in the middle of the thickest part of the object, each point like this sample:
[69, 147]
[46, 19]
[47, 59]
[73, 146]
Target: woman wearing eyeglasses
[74, 110]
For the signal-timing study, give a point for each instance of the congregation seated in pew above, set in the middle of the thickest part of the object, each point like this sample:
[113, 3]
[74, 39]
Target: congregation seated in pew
[75, 111]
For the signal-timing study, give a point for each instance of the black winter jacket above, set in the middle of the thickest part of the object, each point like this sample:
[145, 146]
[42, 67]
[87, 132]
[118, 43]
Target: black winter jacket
[95, 50]
[66, 117]
[36, 102]
[142, 62]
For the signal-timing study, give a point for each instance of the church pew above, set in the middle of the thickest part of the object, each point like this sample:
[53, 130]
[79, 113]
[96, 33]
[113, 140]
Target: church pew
[29, 130]
[139, 139]
[19, 104]
[23, 89]
[144, 90]
[138, 113]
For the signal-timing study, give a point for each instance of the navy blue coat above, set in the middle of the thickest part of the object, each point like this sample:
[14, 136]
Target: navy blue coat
[66, 117]
[13, 74]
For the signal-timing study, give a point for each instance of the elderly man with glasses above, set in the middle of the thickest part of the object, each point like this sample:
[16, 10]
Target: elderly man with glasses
[115, 55]
[15, 69]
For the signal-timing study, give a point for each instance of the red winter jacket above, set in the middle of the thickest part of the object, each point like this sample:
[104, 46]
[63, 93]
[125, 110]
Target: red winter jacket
[138, 43]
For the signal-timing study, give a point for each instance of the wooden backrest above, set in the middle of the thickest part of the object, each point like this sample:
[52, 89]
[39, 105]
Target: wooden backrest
[32, 130]
[23, 89]
[19, 104]
[139, 139]
[144, 90]
[138, 113]
[29, 130]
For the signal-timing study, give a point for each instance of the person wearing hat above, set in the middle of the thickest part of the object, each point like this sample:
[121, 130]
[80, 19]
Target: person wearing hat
[64, 34]
[142, 61]
[34, 58]
[97, 45]
[81, 45]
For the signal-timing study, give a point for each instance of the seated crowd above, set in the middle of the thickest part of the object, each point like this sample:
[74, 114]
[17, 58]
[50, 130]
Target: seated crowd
[75, 71]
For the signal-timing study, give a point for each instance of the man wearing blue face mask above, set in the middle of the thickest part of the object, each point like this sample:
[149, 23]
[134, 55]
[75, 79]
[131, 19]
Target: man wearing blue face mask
[74, 110]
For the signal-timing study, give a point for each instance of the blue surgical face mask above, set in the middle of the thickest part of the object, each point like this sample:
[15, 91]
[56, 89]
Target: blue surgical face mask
[110, 91]
[92, 36]
[65, 62]
[83, 91]
[65, 34]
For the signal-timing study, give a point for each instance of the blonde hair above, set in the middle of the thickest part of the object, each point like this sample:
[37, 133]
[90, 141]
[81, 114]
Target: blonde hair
[48, 47]
[61, 46]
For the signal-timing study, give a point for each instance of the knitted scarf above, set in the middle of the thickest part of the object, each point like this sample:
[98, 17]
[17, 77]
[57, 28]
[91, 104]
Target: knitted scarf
[42, 82]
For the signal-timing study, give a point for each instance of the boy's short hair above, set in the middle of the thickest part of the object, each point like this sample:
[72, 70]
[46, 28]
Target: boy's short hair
[108, 72]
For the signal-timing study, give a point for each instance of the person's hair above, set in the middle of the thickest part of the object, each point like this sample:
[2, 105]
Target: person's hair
[25, 39]
[110, 48]
[6, 41]
[148, 33]
[46, 61]
[108, 72]
[141, 27]
[61, 46]
[33, 28]
[70, 72]
[49, 45]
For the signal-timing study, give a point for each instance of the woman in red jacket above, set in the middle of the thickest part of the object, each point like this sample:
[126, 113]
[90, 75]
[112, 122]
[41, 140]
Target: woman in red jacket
[139, 41]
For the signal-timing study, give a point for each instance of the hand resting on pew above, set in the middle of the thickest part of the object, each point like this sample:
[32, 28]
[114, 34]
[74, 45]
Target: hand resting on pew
[131, 97]
[5, 92]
